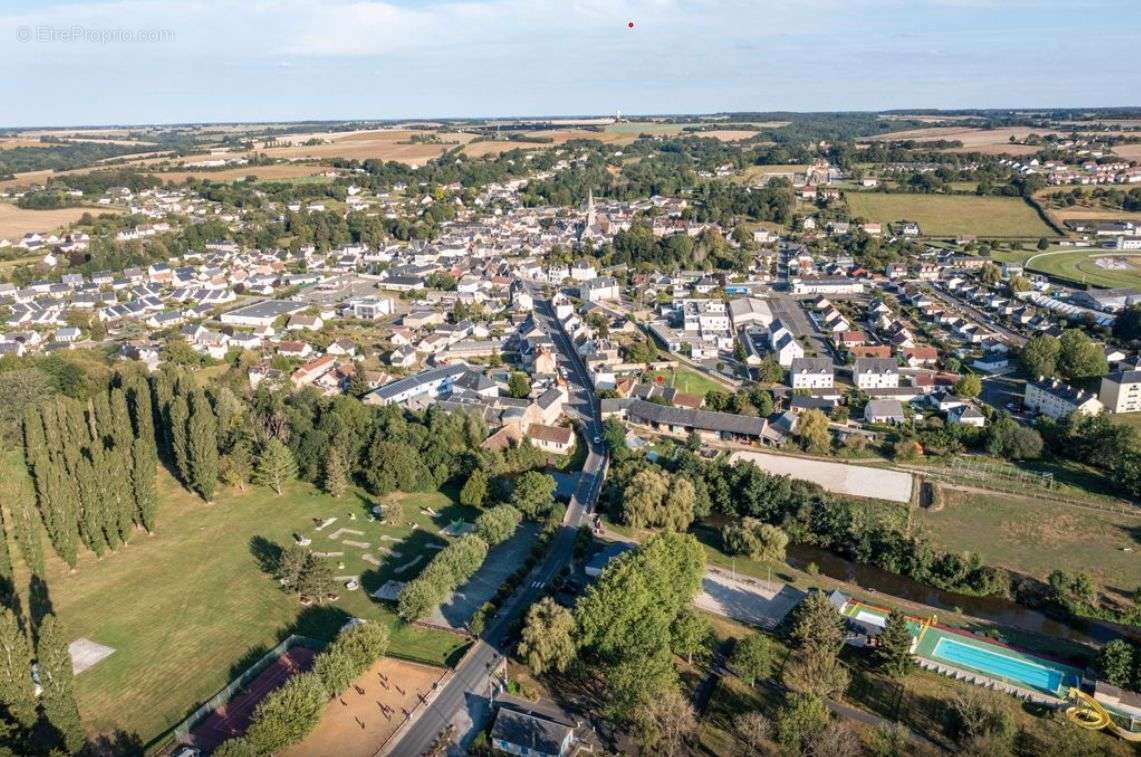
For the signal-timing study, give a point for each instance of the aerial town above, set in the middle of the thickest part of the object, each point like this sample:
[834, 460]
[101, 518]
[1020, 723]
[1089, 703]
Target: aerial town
[740, 432]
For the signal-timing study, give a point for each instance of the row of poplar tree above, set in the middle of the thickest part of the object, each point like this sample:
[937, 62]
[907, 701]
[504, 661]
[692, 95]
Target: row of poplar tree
[93, 466]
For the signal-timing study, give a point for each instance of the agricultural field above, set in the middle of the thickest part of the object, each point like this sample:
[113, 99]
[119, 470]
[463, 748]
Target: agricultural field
[990, 141]
[1036, 536]
[950, 215]
[189, 607]
[753, 174]
[275, 172]
[15, 222]
[1096, 267]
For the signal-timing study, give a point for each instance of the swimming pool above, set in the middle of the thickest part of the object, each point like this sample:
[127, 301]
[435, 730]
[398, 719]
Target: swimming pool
[996, 662]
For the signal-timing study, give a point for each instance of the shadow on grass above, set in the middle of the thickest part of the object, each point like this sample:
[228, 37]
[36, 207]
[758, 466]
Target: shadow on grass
[266, 553]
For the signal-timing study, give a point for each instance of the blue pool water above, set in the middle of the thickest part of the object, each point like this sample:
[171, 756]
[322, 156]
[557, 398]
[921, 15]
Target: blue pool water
[1013, 669]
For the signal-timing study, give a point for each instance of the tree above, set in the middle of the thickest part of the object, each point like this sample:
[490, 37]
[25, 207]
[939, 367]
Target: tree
[56, 679]
[989, 274]
[818, 673]
[202, 438]
[665, 721]
[16, 693]
[547, 641]
[969, 386]
[275, 466]
[812, 428]
[800, 721]
[316, 579]
[290, 566]
[893, 651]
[336, 478]
[287, 714]
[1079, 356]
[519, 385]
[677, 509]
[689, 633]
[1010, 439]
[1115, 663]
[497, 524]
[755, 538]
[642, 497]
[752, 657]
[1127, 327]
[817, 626]
[177, 418]
[533, 494]
[1039, 356]
[236, 466]
[417, 598]
[395, 467]
[769, 371]
[474, 491]
[754, 730]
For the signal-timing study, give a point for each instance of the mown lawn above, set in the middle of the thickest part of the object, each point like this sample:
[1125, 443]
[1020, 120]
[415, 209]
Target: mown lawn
[189, 607]
[1114, 270]
[950, 215]
[685, 380]
[1036, 536]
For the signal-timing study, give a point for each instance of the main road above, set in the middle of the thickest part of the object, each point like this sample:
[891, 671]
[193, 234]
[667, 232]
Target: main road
[472, 678]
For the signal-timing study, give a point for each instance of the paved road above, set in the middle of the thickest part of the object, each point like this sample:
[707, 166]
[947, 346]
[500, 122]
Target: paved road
[472, 679]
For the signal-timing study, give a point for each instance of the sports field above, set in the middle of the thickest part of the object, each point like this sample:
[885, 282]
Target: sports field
[951, 215]
[1035, 536]
[360, 721]
[1098, 267]
[190, 607]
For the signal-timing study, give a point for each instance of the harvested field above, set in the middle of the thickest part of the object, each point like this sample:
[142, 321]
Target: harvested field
[357, 724]
[972, 138]
[1078, 213]
[1129, 152]
[950, 215]
[839, 478]
[726, 135]
[15, 222]
[265, 173]
[479, 149]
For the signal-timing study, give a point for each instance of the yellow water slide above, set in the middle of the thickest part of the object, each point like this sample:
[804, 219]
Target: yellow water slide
[1088, 713]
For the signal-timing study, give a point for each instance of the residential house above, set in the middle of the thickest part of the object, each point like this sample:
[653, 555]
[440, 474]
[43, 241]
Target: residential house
[875, 373]
[884, 411]
[812, 373]
[558, 440]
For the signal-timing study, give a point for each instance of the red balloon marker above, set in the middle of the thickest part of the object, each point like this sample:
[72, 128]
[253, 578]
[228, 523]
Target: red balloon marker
[629, 24]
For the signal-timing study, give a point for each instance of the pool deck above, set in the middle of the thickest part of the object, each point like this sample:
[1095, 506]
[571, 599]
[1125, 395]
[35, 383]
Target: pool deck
[929, 637]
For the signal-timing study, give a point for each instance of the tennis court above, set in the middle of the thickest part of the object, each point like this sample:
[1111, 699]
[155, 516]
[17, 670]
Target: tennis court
[233, 718]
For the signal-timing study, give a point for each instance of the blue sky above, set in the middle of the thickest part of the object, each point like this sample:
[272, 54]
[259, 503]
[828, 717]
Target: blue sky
[223, 60]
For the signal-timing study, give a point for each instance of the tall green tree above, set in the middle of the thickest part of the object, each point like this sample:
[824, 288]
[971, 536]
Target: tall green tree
[817, 626]
[336, 478]
[202, 438]
[1079, 357]
[752, 657]
[56, 678]
[1115, 662]
[474, 491]
[689, 633]
[547, 641]
[177, 424]
[893, 649]
[16, 692]
[275, 466]
[1039, 356]
[143, 464]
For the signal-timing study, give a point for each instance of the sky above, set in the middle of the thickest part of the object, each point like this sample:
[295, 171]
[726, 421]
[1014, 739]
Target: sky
[179, 61]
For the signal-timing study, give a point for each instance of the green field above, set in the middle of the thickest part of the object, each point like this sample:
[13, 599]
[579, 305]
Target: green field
[191, 606]
[950, 215]
[685, 380]
[1082, 267]
[1036, 536]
